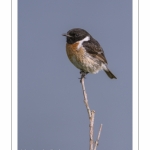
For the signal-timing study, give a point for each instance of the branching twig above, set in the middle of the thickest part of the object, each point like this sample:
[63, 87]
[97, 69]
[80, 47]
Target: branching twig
[91, 115]
[98, 137]
[92, 130]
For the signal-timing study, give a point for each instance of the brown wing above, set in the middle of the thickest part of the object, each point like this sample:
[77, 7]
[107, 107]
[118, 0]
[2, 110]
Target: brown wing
[94, 49]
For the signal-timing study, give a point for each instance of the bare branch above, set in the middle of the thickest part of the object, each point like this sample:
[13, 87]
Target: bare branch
[85, 97]
[98, 137]
[91, 115]
[92, 130]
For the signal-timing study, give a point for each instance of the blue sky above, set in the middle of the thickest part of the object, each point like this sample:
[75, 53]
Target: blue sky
[51, 112]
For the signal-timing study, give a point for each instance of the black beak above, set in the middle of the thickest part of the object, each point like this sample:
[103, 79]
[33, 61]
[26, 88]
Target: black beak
[66, 35]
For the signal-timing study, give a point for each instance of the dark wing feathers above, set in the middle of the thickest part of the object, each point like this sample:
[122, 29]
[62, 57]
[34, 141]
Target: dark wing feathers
[94, 49]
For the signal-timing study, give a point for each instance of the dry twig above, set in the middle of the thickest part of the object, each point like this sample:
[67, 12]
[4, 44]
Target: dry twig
[98, 137]
[85, 97]
[91, 115]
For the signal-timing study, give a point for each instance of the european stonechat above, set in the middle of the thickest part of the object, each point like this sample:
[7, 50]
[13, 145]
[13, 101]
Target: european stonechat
[85, 52]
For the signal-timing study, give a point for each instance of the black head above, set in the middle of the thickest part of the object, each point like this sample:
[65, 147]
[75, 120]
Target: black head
[75, 35]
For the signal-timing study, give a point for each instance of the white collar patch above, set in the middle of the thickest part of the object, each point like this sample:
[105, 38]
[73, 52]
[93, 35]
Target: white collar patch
[87, 38]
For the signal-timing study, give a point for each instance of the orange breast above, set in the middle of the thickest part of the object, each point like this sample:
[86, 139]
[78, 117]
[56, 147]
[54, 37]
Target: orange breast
[81, 59]
[75, 55]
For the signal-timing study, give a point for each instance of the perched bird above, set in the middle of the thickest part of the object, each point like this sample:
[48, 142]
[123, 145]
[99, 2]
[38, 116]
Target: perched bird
[85, 52]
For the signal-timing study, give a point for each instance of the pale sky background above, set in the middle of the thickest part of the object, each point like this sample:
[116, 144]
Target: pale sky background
[51, 112]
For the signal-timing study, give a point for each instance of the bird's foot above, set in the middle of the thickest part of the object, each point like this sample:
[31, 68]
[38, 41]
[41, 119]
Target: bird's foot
[83, 74]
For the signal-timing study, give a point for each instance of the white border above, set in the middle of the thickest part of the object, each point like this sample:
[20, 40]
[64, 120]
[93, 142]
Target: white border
[14, 74]
[135, 74]
[5, 75]
[144, 75]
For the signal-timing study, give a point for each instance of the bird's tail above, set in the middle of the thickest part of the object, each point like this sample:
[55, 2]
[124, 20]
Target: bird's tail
[109, 73]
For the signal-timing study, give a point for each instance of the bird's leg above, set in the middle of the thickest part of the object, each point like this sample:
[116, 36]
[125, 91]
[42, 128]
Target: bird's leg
[83, 74]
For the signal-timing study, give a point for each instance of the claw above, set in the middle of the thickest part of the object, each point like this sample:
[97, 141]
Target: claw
[83, 74]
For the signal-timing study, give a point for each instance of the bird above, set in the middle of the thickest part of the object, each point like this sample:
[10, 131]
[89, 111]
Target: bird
[85, 53]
